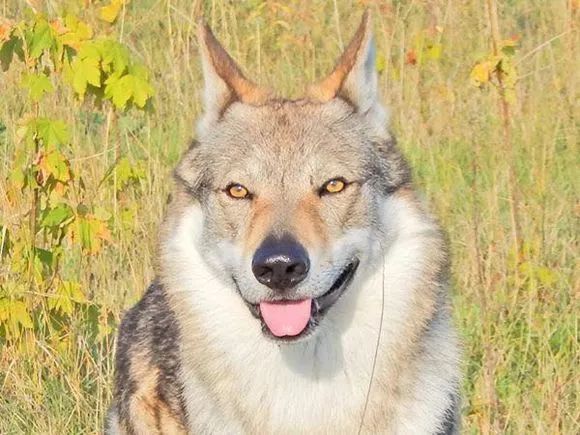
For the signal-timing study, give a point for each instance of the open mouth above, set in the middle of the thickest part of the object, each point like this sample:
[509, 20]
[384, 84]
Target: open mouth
[293, 320]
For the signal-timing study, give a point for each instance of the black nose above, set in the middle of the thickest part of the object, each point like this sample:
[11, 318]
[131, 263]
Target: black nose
[280, 263]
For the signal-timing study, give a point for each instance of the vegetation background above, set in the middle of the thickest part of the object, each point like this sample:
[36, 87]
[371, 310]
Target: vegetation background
[484, 101]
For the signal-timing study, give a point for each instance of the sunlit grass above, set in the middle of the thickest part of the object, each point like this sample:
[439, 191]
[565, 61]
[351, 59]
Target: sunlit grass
[517, 311]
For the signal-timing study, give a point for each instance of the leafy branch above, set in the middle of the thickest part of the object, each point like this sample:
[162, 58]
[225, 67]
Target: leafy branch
[55, 53]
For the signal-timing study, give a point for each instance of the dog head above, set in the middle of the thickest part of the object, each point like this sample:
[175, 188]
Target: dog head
[290, 190]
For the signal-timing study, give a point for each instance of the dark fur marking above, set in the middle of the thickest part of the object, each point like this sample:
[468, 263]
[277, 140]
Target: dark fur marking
[150, 327]
[389, 169]
[448, 425]
[158, 419]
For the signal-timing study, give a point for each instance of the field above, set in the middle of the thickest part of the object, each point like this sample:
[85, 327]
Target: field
[484, 102]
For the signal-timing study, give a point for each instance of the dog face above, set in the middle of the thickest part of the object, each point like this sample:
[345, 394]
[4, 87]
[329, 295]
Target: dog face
[290, 190]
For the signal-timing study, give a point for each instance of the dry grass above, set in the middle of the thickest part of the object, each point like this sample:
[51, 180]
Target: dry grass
[517, 310]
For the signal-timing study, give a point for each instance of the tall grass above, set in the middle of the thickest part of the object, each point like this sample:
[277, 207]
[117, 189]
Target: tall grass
[516, 305]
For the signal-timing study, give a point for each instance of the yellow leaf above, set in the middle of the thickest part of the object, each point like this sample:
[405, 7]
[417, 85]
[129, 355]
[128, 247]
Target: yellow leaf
[90, 232]
[480, 74]
[14, 316]
[546, 276]
[434, 51]
[110, 12]
[381, 63]
[75, 32]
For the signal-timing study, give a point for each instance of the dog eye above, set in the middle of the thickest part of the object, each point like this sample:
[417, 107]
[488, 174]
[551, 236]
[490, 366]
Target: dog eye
[237, 191]
[334, 185]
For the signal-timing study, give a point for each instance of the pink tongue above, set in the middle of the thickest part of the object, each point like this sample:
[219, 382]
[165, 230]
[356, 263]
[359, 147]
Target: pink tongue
[286, 317]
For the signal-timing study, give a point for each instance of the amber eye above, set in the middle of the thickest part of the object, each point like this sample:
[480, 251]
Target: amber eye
[237, 191]
[333, 186]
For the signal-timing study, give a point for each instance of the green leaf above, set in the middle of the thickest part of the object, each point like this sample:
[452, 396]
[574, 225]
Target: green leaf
[42, 38]
[37, 85]
[26, 132]
[119, 90]
[90, 50]
[127, 217]
[85, 71]
[142, 91]
[115, 57]
[124, 172]
[8, 49]
[44, 256]
[57, 215]
[54, 164]
[66, 293]
[17, 177]
[52, 132]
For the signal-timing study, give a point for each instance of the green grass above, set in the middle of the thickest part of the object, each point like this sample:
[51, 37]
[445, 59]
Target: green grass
[517, 312]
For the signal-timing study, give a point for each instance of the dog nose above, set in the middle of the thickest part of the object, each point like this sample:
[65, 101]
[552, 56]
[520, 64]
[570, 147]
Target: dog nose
[280, 263]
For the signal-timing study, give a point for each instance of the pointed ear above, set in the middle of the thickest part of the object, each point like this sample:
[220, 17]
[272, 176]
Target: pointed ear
[224, 81]
[354, 77]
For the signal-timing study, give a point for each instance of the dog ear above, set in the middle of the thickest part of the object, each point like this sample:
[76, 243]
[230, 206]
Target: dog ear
[224, 81]
[354, 78]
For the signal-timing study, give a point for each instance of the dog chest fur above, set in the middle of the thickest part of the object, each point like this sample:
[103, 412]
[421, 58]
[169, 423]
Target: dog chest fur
[236, 381]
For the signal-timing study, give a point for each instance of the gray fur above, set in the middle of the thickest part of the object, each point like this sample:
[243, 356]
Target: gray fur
[191, 357]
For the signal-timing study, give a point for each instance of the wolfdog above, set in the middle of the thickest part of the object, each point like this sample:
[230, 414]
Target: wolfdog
[301, 285]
